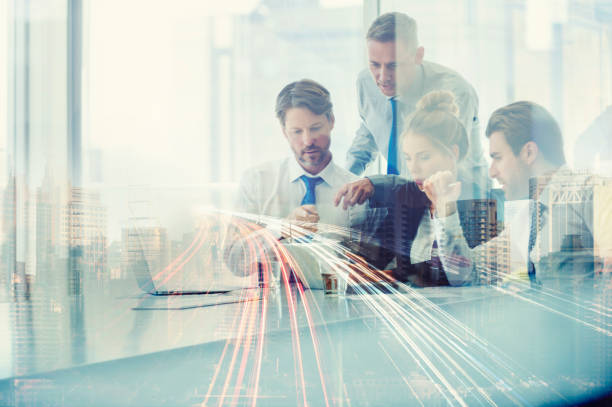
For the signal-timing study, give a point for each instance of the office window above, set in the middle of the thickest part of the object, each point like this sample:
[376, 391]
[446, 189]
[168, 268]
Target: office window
[554, 52]
[126, 128]
[186, 95]
[182, 95]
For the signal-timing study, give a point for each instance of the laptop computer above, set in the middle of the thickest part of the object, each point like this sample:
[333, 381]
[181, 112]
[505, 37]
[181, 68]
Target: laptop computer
[187, 274]
[146, 283]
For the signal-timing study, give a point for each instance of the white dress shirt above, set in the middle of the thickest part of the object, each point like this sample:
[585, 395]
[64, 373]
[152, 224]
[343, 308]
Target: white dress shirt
[275, 189]
[423, 241]
[272, 191]
[373, 134]
[564, 223]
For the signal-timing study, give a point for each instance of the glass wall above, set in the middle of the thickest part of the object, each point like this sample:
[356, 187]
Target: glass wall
[159, 115]
[197, 84]
[554, 52]
[34, 144]
[188, 93]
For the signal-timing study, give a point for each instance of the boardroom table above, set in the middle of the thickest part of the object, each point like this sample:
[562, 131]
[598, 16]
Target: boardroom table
[106, 343]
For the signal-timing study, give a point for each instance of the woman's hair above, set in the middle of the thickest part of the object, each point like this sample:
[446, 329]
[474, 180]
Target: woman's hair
[436, 119]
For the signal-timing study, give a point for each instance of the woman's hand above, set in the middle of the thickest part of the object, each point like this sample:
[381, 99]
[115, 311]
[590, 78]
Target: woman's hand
[443, 190]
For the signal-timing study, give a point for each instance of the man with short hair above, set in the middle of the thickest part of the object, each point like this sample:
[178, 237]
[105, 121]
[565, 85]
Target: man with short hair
[525, 141]
[548, 234]
[293, 197]
[389, 90]
[300, 188]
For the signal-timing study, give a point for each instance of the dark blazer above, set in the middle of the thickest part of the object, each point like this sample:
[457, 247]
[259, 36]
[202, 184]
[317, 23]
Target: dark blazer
[406, 205]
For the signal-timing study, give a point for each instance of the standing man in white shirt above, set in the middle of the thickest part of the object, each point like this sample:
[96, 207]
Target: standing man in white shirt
[389, 90]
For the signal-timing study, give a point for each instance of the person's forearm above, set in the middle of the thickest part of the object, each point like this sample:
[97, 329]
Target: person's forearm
[362, 151]
[246, 247]
[385, 188]
[456, 256]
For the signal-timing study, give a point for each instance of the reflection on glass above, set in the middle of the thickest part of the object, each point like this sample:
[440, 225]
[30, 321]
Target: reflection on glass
[150, 254]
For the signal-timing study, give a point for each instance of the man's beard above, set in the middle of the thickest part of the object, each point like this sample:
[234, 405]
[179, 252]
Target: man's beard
[322, 156]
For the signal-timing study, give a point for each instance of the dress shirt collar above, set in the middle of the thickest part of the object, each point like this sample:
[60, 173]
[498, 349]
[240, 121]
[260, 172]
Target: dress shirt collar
[415, 91]
[296, 171]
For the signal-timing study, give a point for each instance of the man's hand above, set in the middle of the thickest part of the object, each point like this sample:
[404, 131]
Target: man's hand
[443, 190]
[356, 192]
[305, 217]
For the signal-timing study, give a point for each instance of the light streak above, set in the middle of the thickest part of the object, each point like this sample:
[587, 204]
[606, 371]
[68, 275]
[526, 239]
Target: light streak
[449, 353]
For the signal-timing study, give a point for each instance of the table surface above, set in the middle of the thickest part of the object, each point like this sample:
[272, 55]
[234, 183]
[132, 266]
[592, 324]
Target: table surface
[109, 344]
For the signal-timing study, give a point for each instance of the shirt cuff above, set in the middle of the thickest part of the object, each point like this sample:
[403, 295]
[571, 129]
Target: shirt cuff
[447, 225]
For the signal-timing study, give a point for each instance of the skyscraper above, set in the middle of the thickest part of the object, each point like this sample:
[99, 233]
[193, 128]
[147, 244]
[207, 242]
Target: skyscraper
[47, 225]
[480, 226]
[564, 219]
[84, 229]
[148, 244]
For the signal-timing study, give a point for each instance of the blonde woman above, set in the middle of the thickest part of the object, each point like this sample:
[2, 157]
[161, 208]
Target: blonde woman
[434, 141]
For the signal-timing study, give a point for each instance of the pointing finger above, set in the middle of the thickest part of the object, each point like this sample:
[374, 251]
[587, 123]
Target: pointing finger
[342, 192]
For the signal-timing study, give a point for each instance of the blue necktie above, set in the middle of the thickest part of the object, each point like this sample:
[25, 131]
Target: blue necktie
[392, 153]
[310, 198]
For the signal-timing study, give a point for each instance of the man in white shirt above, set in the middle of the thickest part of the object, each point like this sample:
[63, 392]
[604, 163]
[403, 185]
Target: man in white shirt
[299, 190]
[526, 149]
[388, 91]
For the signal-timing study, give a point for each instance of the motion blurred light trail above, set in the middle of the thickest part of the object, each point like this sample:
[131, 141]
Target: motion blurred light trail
[448, 353]
[237, 345]
[245, 353]
[428, 328]
[524, 290]
[344, 271]
[198, 239]
[238, 318]
[526, 285]
[555, 311]
[313, 335]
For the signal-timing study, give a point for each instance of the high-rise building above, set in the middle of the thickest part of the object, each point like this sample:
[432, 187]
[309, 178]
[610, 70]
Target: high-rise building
[479, 226]
[8, 234]
[47, 225]
[148, 245]
[567, 222]
[84, 229]
[18, 256]
[398, 230]
[114, 261]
